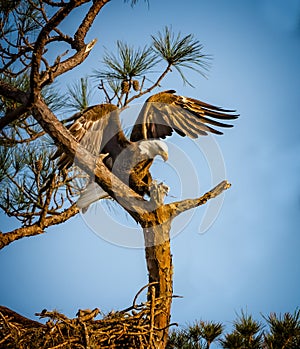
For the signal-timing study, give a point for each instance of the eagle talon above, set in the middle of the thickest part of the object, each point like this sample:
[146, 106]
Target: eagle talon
[101, 157]
[158, 191]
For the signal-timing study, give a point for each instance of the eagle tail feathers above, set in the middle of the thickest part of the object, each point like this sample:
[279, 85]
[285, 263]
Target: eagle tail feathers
[92, 193]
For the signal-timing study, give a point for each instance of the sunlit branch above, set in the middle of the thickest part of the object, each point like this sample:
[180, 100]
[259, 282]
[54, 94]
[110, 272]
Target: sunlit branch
[70, 63]
[184, 205]
[87, 23]
[37, 228]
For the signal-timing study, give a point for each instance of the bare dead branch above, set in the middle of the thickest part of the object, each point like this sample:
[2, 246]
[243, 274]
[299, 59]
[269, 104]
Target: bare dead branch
[36, 229]
[62, 67]
[46, 203]
[6, 312]
[184, 205]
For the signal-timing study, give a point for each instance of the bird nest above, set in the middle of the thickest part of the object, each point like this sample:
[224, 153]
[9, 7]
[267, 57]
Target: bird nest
[129, 328]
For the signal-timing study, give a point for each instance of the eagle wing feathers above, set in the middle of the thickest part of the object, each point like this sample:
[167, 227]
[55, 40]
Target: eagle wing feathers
[166, 112]
[88, 130]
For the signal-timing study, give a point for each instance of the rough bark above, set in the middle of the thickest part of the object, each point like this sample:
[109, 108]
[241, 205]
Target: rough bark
[156, 225]
[160, 269]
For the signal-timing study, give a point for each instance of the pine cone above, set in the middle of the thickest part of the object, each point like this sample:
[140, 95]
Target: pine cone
[136, 85]
[39, 165]
[125, 86]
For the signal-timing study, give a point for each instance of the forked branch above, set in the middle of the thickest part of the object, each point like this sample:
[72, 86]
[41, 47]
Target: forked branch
[184, 205]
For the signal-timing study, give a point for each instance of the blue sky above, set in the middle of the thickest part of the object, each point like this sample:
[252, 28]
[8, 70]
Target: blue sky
[249, 258]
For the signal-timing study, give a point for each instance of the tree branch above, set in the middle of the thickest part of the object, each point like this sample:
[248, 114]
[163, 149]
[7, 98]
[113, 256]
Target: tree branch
[57, 69]
[184, 205]
[83, 49]
[37, 228]
[12, 115]
[156, 84]
[87, 23]
[41, 41]
[11, 92]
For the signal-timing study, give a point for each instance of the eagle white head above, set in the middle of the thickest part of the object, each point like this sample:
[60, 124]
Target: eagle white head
[152, 148]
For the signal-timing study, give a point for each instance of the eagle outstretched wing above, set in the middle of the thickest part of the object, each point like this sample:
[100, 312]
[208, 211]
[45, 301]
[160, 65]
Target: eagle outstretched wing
[166, 112]
[92, 123]
[89, 129]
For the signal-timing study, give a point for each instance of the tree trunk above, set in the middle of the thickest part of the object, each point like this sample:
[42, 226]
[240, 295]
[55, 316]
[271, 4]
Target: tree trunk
[159, 265]
[156, 225]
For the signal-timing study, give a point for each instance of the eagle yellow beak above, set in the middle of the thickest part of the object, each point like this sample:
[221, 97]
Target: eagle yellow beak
[165, 155]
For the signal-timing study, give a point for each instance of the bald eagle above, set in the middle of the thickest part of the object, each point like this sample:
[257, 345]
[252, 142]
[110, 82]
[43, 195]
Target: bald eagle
[99, 130]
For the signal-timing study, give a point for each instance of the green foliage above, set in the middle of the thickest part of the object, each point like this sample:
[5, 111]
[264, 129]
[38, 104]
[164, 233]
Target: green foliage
[180, 52]
[27, 12]
[199, 335]
[26, 168]
[24, 174]
[127, 70]
[32, 185]
[178, 339]
[53, 98]
[247, 334]
[50, 94]
[211, 331]
[8, 5]
[279, 332]
[21, 82]
[19, 24]
[232, 341]
[5, 162]
[127, 64]
[79, 95]
[284, 330]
